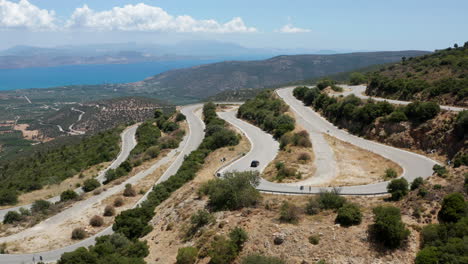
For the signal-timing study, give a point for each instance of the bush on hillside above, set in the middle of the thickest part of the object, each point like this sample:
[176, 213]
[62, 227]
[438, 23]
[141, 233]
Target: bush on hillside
[312, 206]
[349, 214]
[187, 255]
[40, 206]
[129, 191]
[398, 188]
[416, 183]
[109, 211]
[422, 111]
[12, 217]
[8, 197]
[68, 195]
[238, 236]
[90, 185]
[96, 221]
[78, 234]
[454, 207]
[232, 192]
[222, 250]
[260, 259]
[289, 213]
[331, 199]
[388, 227]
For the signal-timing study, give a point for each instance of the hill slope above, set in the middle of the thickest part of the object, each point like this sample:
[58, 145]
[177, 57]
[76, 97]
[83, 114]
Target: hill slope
[206, 80]
[441, 76]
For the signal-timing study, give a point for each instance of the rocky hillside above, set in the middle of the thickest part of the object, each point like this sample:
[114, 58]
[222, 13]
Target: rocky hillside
[206, 80]
[441, 76]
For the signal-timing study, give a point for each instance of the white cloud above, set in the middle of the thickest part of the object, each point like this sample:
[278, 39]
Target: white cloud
[289, 28]
[25, 15]
[142, 17]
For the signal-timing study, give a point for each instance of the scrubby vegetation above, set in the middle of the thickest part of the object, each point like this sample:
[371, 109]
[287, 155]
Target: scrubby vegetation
[289, 213]
[441, 76]
[330, 200]
[114, 248]
[349, 214]
[68, 195]
[187, 255]
[267, 112]
[446, 242]
[150, 142]
[388, 228]
[52, 166]
[260, 259]
[234, 191]
[398, 188]
[224, 250]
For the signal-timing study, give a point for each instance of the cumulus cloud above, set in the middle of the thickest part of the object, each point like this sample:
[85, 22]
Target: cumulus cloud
[142, 17]
[25, 15]
[289, 28]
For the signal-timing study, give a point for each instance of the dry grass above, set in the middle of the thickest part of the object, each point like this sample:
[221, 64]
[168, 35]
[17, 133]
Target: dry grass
[358, 166]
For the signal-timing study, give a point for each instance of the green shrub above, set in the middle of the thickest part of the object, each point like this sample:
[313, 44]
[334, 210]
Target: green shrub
[12, 217]
[390, 173]
[78, 234]
[200, 219]
[416, 183]
[260, 259]
[422, 192]
[356, 78]
[238, 236]
[388, 227]
[349, 214]
[90, 185]
[8, 197]
[222, 250]
[440, 170]
[398, 188]
[397, 116]
[187, 255]
[314, 239]
[454, 207]
[40, 206]
[68, 195]
[304, 156]
[312, 206]
[460, 159]
[232, 192]
[428, 255]
[289, 213]
[331, 199]
[113, 248]
[422, 111]
[180, 117]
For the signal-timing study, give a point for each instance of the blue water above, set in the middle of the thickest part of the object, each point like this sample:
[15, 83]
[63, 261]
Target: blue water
[11, 79]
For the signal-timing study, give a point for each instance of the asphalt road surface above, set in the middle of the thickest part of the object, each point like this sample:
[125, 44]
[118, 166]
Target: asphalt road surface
[128, 142]
[263, 150]
[358, 90]
[190, 142]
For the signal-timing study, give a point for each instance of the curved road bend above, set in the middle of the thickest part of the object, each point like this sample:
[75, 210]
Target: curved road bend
[359, 90]
[128, 142]
[190, 142]
[414, 165]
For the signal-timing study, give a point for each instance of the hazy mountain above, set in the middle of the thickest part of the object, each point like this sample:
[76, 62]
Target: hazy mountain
[206, 80]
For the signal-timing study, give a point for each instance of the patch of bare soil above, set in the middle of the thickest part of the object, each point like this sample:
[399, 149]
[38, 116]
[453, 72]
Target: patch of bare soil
[50, 191]
[358, 166]
[27, 134]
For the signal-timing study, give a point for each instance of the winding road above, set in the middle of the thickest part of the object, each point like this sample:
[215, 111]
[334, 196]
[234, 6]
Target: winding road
[264, 149]
[128, 142]
[359, 91]
[190, 142]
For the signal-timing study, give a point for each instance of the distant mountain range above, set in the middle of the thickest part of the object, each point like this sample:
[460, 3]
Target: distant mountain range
[206, 80]
[123, 53]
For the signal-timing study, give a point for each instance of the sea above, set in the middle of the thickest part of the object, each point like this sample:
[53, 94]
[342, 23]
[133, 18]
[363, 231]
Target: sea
[45, 77]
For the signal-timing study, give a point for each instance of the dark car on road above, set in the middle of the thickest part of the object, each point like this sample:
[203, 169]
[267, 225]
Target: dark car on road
[254, 163]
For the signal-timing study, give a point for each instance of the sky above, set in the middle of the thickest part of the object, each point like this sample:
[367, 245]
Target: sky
[301, 24]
